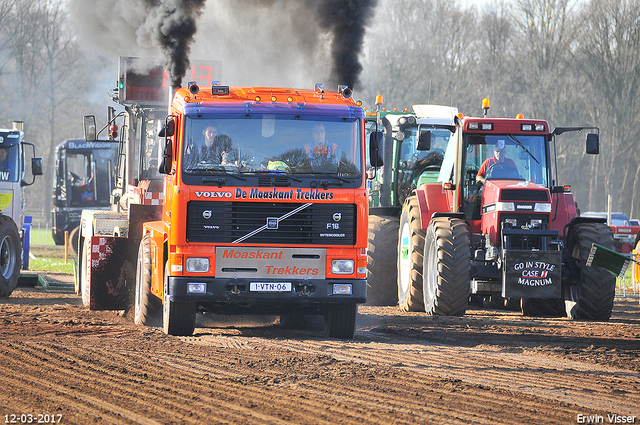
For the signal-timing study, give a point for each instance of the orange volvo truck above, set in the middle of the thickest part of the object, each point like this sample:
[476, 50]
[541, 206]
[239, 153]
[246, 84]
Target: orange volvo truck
[263, 211]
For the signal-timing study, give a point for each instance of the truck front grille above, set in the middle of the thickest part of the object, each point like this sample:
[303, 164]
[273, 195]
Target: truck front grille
[271, 223]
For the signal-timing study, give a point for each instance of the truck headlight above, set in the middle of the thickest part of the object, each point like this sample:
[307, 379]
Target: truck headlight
[342, 266]
[197, 265]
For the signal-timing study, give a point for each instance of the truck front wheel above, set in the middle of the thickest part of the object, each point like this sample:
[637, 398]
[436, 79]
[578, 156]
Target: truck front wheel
[146, 305]
[447, 267]
[9, 256]
[178, 317]
[410, 260]
[340, 320]
[591, 293]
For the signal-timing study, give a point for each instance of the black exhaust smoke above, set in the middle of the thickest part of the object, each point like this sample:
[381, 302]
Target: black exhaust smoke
[346, 21]
[171, 25]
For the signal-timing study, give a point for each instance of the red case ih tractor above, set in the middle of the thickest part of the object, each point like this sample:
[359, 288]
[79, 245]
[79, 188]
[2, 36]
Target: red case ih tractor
[513, 239]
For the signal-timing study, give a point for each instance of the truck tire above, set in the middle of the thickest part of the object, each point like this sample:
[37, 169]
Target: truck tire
[340, 320]
[410, 261]
[10, 258]
[146, 307]
[447, 267]
[382, 263]
[178, 317]
[590, 294]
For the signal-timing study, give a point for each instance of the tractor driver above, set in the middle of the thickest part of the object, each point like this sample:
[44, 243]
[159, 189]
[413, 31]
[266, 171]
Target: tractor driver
[497, 158]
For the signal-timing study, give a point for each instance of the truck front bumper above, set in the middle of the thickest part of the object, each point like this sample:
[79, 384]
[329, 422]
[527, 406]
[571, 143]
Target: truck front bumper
[268, 293]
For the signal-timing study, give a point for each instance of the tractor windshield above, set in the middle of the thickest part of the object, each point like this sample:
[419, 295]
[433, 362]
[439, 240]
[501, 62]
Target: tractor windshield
[421, 166]
[270, 143]
[518, 157]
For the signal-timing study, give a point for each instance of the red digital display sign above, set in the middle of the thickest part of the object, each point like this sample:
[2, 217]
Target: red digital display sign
[143, 81]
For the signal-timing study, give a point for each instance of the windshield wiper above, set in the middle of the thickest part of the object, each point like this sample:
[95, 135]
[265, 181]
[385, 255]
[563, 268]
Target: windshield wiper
[519, 143]
[325, 183]
[279, 173]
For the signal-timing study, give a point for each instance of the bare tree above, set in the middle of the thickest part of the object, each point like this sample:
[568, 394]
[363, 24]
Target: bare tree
[609, 57]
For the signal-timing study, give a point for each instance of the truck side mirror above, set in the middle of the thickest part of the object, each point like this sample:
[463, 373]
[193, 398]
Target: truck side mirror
[167, 157]
[90, 128]
[375, 146]
[36, 166]
[424, 139]
[593, 143]
[169, 129]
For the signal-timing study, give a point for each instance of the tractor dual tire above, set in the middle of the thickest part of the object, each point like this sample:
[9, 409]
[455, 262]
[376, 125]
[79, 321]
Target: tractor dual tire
[382, 261]
[10, 256]
[447, 267]
[410, 257]
[590, 294]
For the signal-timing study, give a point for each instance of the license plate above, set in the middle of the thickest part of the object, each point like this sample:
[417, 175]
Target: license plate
[270, 287]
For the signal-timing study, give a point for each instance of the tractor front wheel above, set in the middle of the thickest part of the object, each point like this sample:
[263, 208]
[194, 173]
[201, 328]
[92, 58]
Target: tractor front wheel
[447, 267]
[410, 257]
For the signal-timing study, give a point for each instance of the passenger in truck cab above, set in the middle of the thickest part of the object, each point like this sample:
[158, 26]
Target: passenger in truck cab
[497, 162]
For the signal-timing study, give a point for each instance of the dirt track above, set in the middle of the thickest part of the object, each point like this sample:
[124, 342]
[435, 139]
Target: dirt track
[488, 367]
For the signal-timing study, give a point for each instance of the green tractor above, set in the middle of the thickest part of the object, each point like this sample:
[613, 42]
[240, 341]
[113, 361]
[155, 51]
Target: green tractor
[404, 169]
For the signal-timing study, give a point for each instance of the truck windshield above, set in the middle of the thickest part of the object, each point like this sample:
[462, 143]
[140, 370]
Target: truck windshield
[9, 169]
[522, 157]
[282, 144]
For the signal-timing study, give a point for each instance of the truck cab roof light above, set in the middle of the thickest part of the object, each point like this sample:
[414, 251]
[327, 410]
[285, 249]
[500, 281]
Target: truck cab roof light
[526, 127]
[379, 99]
[487, 126]
[473, 126]
[539, 127]
[519, 117]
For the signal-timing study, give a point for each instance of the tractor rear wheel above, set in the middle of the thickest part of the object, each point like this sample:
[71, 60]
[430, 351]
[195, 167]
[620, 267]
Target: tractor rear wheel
[382, 261]
[146, 306]
[10, 249]
[410, 257]
[447, 267]
[590, 294]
